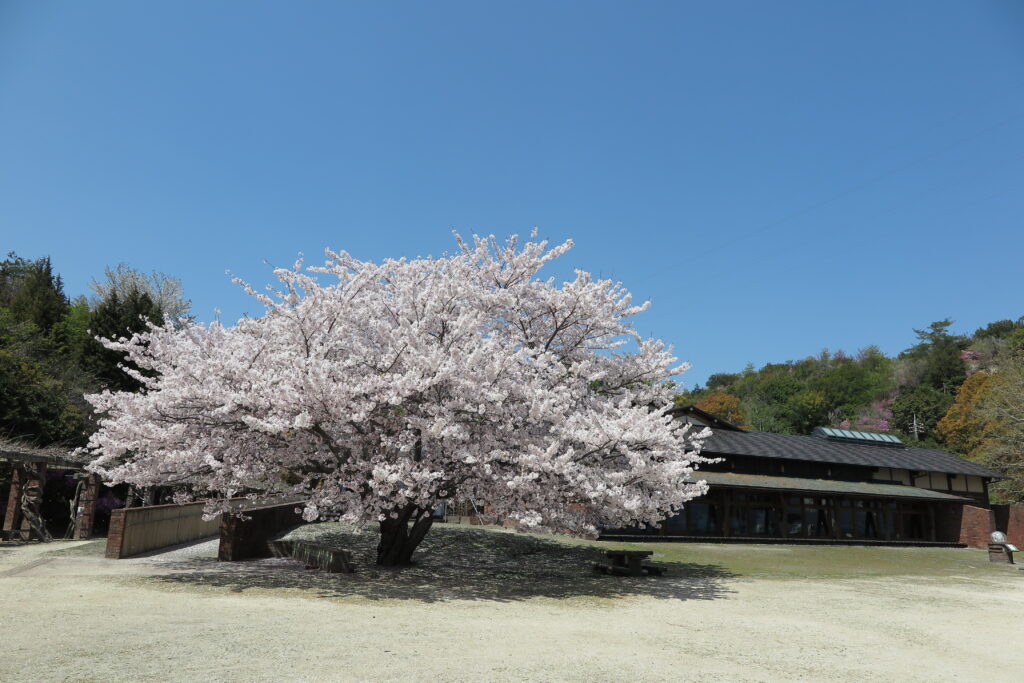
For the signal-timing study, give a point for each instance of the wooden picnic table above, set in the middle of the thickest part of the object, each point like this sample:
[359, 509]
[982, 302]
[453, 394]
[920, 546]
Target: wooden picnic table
[628, 563]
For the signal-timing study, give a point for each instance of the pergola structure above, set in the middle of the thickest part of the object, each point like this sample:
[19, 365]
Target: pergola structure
[21, 519]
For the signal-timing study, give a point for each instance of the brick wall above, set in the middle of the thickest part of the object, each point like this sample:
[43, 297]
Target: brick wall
[115, 534]
[242, 539]
[1010, 520]
[12, 510]
[85, 516]
[976, 526]
[967, 524]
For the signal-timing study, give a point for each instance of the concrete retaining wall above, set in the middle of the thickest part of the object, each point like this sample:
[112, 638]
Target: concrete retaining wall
[137, 530]
[243, 539]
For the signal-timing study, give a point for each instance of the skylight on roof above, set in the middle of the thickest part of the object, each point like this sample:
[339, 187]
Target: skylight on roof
[850, 436]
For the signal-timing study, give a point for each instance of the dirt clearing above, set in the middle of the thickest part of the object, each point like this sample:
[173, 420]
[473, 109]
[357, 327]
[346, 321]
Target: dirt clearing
[491, 605]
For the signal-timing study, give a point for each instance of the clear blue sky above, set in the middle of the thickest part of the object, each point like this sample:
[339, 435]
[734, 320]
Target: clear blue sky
[778, 177]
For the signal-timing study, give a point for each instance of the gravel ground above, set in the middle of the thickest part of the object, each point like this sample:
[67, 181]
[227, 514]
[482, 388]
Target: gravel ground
[494, 606]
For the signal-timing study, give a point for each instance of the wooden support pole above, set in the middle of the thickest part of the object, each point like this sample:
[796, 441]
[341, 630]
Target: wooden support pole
[783, 523]
[833, 514]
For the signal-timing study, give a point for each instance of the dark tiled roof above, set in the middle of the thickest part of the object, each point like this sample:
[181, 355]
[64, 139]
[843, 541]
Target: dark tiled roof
[862, 488]
[768, 445]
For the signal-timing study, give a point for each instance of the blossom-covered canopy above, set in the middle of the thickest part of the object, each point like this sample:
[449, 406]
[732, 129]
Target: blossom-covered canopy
[369, 388]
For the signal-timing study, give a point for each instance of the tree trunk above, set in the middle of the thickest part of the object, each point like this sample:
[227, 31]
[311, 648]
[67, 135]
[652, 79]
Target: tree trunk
[398, 539]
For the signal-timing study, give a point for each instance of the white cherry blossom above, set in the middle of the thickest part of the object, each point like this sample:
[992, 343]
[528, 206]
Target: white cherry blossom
[377, 391]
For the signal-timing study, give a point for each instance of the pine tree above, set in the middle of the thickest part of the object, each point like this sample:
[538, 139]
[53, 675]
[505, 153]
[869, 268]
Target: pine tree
[31, 292]
[116, 317]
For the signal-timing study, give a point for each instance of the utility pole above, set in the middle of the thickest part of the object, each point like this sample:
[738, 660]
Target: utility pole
[916, 428]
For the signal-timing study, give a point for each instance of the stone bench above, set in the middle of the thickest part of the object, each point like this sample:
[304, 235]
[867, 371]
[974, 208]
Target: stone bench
[629, 563]
[617, 570]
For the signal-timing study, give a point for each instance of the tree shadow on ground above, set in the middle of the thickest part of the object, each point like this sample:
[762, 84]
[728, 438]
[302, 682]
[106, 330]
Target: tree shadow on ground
[9, 546]
[454, 563]
[90, 548]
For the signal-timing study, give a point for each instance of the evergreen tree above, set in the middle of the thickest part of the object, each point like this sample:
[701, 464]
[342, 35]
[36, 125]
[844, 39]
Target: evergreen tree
[117, 317]
[31, 291]
[942, 367]
[71, 334]
[923, 406]
[41, 392]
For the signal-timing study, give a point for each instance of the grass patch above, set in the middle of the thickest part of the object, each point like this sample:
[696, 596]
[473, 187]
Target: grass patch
[825, 562]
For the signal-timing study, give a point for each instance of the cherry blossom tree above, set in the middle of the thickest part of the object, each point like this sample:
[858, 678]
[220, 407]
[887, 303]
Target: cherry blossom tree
[378, 391]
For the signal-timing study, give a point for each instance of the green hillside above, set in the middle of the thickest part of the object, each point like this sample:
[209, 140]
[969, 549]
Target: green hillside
[957, 392]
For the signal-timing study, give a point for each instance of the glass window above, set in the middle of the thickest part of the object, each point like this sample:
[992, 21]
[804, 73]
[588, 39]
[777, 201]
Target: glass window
[761, 522]
[865, 524]
[915, 527]
[818, 523]
[794, 521]
[738, 522]
[846, 523]
[676, 524]
[887, 530]
[703, 518]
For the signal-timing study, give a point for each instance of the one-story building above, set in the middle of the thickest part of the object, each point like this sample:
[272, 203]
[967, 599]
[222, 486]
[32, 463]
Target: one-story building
[834, 486]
